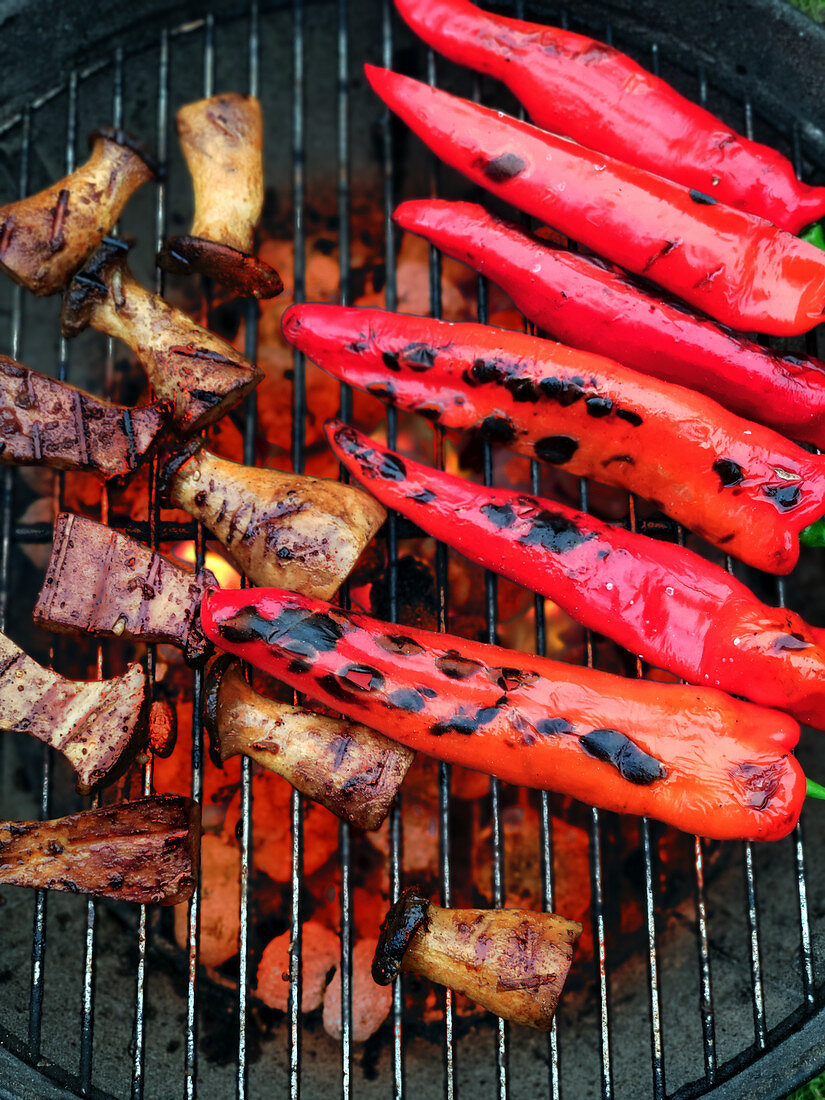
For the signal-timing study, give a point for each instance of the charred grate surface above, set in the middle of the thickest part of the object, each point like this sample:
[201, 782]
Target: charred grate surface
[728, 982]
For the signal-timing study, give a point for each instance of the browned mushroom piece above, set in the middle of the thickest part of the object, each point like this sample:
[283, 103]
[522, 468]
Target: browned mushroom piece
[283, 530]
[47, 237]
[45, 422]
[222, 140]
[514, 962]
[96, 725]
[144, 851]
[201, 374]
[350, 769]
[163, 728]
[101, 582]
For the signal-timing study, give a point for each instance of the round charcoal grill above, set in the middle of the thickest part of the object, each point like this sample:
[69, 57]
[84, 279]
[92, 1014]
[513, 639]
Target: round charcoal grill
[725, 996]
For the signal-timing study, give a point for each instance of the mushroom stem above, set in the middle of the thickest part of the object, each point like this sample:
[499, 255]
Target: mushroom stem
[353, 771]
[96, 726]
[49, 423]
[283, 530]
[514, 962]
[101, 582]
[204, 376]
[144, 851]
[222, 140]
[47, 237]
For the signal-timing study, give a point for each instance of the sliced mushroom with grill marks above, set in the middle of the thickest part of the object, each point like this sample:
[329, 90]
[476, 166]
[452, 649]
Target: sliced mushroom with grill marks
[201, 374]
[283, 530]
[47, 237]
[45, 422]
[101, 582]
[352, 770]
[144, 851]
[222, 140]
[97, 726]
[512, 961]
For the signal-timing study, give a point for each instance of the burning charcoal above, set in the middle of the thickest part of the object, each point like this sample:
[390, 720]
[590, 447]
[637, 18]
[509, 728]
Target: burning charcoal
[348, 768]
[186, 364]
[49, 423]
[320, 952]
[96, 725]
[512, 961]
[144, 851]
[103, 583]
[222, 140]
[304, 534]
[47, 237]
[370, 1004]
[220, 903]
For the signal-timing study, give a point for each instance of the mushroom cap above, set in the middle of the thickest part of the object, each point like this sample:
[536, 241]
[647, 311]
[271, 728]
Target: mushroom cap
[397, 929]
[248, 275]
[89, 285]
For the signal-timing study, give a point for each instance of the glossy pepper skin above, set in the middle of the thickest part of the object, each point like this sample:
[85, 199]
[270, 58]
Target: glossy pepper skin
[692, 757]
[739, 269]
[661, 601]
[589, 91]
[589, 304]
[739, 485]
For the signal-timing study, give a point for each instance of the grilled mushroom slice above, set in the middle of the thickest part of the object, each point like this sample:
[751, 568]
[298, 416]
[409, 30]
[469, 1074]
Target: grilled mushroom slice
[188, 365]
[49, 423]
[512, 961]
[352, 770]
[144, 851]
[103, 583]
[222, 140]
[283, 530]
[97, 725]
[47, 237]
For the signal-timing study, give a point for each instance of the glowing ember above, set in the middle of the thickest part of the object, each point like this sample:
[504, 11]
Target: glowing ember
[227, 576]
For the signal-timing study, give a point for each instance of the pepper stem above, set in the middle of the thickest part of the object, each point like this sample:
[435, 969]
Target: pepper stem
[814, 235]
[814, 789]
[814, 533]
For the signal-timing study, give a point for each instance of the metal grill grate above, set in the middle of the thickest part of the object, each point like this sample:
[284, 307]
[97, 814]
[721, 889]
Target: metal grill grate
[597, 1045]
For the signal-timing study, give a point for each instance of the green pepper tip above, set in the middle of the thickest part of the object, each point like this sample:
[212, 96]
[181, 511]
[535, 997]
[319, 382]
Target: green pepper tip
[814, 235]
[814, 789]
[814, 533]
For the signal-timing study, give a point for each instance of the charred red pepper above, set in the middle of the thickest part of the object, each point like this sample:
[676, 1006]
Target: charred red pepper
[660, 601]
[591, 92]
[692, 757]
[734, 266]
[739, 485]
[589, 304]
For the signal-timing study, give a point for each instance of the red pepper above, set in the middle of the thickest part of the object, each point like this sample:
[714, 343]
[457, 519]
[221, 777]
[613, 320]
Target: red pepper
[692, 757]
[739, 485]
[660, 601]
[734, 266]
[593, 93]
[588, 304]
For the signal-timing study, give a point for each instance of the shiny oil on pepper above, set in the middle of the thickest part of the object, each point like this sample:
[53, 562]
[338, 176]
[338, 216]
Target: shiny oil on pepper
[660, 601]
[691, 757]
[735, 483]
[738, 268]
[589, 91]
[589, 304]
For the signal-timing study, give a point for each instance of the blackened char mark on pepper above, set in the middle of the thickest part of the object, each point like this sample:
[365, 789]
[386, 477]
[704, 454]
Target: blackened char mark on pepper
[500, 515]
[418, 357]
[331, 685]
[497, 429]
[784, 497]
[633, 764]
[456, 667]
[392, 468]
[363, 677]
[729, 472]
[384, 391]
[665, 250]
[555, 533]
[459, 723]
[398, 644]
[557, 449]
[297, 631]
[407, 699]
[422, 496]
[598, 406]
[373, 463]
[631, 417]
[701, 197]
[627, 459]
[499, 169]
[760, 782]
[246, 625]
[564, 390]
[511, 679]
[553, 727]
[789, 641]
[390, 361]
[429, 412]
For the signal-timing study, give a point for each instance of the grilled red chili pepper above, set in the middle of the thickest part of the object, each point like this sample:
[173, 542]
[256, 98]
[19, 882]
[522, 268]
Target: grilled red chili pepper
[734, 266]
[588, 304]
[692, 757]
[593, 93]
[737, 484]
[660, 601]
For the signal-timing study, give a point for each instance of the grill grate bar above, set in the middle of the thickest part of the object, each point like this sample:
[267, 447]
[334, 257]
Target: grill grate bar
[759, 1024]
[706, 1003]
